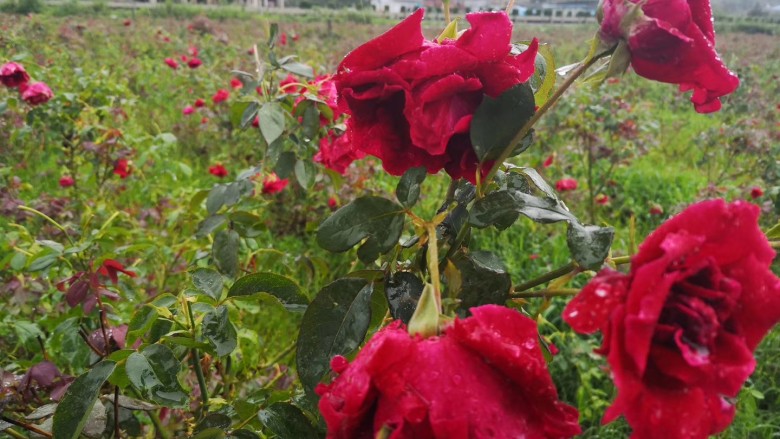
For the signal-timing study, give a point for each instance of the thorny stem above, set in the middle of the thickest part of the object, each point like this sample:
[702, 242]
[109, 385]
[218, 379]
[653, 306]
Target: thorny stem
[561, 292]
[538, 115]
[555, 274]
[27, 427]
[85, 337]
[117, 431]
[433, 263]
[204, 393]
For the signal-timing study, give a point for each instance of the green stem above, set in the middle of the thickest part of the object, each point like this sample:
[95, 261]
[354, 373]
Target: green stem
[555, 274]
[204, 393]
[562, 292]
[538, 115]
[27, 427]
[278, 357]
[14, 434]
[49, 219]
[620, 260]
[162, 432]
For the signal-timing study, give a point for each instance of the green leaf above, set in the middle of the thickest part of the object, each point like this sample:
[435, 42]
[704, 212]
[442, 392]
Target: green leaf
[248, 115]
[153, 372]
[335, 323]
[450, 32]
[210, 224]
[43, 262]
[376, 218]
[284, 289]
[408, 189]
[214, 420]
[498, 208]
[774, 232]
[285, 164]
[219, 331]
[141, 323]
[299, 69]
[403, 290]
[237, 111]
[243, 434]
[498, 120]
[484, 280]
[304, 173]
[287, 421]
[543, 80]
[208, 282]
[225, 251]
[73, 412]
[272, 121]
[311, 120]
[589, 245]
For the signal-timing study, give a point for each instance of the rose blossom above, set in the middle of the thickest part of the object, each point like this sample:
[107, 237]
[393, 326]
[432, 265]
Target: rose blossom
[13, 75]
[411, 100]
[337, 153]
[218, 170]
[188, 110]
[273, 184]
[199, 103]
[122, 168]
[172, 63]
[66, 181]
[36, 94]
[194, 63]
[673, 41]
[236, 83]
[220, 96]
[756, 192]
[485, 376]
[680, 328]
[566, 184]
[287, 84]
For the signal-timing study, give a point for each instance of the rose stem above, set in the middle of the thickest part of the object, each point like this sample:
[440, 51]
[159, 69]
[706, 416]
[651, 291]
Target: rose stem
[555, 274]
[563, 292]
[538, 115]
[204, 392]
[27, 427]
[620, 260]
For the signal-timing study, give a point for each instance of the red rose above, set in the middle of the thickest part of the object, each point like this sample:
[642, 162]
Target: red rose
[172, 63]
[256, 122]
[680, 328]
[602, 199]
[337, 153]
[188, 110]
[756, 192]
[656, 210]
[333, 203]
[13, 75]
[218, 170]
[273, 184]
[204, 120]
[236, 83]
[199, 103]
[328, 93]
[673, 42]
[484, 377]
[193, 51]
[66, 181]
[289, 84]
[36, 94]
[283, 39]
[411, 100]
[194, 63]
[122, 168]
[566, 184]
[127, 22]
[220, 96]
[549, 161]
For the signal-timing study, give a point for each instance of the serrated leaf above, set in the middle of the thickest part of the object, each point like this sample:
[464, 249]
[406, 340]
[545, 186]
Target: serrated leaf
[335, 323]
[376, 218]
[498, 120]
[208, 282]
[218, 330]
[284, 289]
[75, 408]
[225, 251]
[272, 121]
[210, 224]
[408, 189]
[153, 372]
[589, 245]
[287, 421]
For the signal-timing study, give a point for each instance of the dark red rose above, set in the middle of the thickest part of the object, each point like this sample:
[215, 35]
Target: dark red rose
[681, 327]
[756, 192]
[13, 75]
[337, 153]
[289, 84]
[411, 100]
[283, 39]
[566, 184]
[111, 268]
[199, 103]
[484, 377]
[273, 184]
[122, 168]
[655, 209]
[256, 122]
[333, 203]
[673, 41]
[218, 170]
[194, 63]
[66, 181]
[236, 83]
[172, 63]
[549, 161]
[220, 96]
[127, 22]
[36, 94]
[602, 199]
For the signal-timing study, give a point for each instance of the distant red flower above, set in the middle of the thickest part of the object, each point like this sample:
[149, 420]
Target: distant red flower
[296, 37]
[602, 199]
[13, 75]
[172, 63]
[286, 84]
[167, 39]
[127, 23]
[613, 80]
[332, 203]
[218, 170]
[199, 103]
[122, 168]
[35, 94]
[566, 184]
[193, 51]
[283, 39]
[188, 110]
[236, 83]
[533, 256]
[656, 209]
[111, 268]
[66, 181]
[337, 153]
[194, 63]
[204, 120]
[549, 161]
[256, 122]
[259, 90]
[273, 184]
[756, 192]
[251, 51]
[220, 96]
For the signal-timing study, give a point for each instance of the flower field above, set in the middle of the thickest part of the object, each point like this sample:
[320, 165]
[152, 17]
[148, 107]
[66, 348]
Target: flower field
[220, 227]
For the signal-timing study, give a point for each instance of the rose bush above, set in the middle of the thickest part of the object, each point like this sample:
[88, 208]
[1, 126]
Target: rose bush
[671, 41]
[680, 329]
[485, 376]
[411, 100]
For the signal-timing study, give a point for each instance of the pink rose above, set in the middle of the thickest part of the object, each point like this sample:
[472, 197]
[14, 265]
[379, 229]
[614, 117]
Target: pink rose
[172, 63]
[36, 94]
[273, 184]
[13, 75]
[188, 110]
[66, 181]
[673, 42]
[220, 96]
[566, 184]
[680, 328]
[484, 377]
